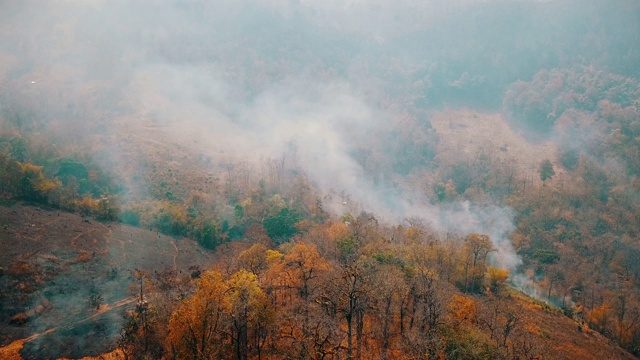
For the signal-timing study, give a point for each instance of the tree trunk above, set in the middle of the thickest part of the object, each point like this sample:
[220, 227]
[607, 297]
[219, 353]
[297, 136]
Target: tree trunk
[349, 336]
[385, 329]
[359, 331]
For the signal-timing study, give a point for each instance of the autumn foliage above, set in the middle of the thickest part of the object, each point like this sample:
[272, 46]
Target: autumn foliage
[303, 300]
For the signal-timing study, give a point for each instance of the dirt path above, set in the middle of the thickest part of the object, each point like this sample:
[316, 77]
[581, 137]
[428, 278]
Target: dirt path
[75, 238]
[109, 236]
[175, 256]
[108, 229]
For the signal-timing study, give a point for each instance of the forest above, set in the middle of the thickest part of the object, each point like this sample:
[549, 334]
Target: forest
[365, 179]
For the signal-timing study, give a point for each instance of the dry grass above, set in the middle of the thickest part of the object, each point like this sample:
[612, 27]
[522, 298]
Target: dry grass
[19, 319]
[23, 317]
[564, 338]
[83, 257]
[19, 269]
[49, 257]
[12, 351]
[466, 135]
[159, 162]
[116, 354]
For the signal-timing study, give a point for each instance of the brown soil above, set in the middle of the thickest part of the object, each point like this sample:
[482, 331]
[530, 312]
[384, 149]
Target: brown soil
[53, 262]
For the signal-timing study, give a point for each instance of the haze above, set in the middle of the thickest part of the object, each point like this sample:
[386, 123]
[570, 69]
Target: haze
[388, 108]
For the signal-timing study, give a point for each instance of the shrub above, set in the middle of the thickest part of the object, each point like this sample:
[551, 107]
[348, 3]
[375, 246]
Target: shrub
[172, 220]
[129, 217]
[569, 159]
[87, 205]
[208, 235]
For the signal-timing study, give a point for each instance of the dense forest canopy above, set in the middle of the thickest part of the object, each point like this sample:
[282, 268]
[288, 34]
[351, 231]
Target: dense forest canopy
[464, 148]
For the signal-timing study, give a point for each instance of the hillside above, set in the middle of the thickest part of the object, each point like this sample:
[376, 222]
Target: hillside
[565, 338]
[49, 250]
[64, 275]
[320, 179]
[468, 135]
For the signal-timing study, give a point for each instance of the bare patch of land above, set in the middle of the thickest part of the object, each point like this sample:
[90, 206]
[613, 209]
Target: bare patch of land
[465, 134]
[64, 276]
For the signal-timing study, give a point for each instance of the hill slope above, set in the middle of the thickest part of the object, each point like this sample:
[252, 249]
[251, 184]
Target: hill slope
[56, 263]
[60, 270]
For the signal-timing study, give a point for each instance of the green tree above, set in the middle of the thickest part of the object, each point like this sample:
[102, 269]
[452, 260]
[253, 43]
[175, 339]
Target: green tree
[461, 176]
[546, 171]
[19, 149]
[207, 233]
[281, 227]
[10, 177]
[71, 167]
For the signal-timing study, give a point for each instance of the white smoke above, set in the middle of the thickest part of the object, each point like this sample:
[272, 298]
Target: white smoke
[323, 122]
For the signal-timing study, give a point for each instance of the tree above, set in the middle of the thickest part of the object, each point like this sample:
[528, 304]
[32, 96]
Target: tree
[251, 314]
[463, 310]
[281, 227]
[10, 176]
[546, 171]
[171, 219]
[144, 332]
[496, 278]
[19, 148]
[206, 232]
[390, 287]
[71, 168]
[254, 259]
[475, 251]
[294, 283]
[570, 159]
[195, 328]
[501, 320]
[34, 185]
[424, 305]
[348, 294]
[461, 176]
[108, 208]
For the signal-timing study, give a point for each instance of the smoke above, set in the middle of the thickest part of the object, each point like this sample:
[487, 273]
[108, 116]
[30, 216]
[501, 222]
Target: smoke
[276, 81]
[492, 220]
[307, 81]
[316, 126]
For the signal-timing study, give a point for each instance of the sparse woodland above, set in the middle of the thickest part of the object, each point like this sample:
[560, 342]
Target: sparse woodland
[343, 291]
[294, 278]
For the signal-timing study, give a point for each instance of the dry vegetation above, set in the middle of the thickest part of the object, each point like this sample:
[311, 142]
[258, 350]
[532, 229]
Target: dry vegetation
[153, 164]
[469, 135]
[174, 123]
[58, 261]
[557, 336]
[565, 338]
